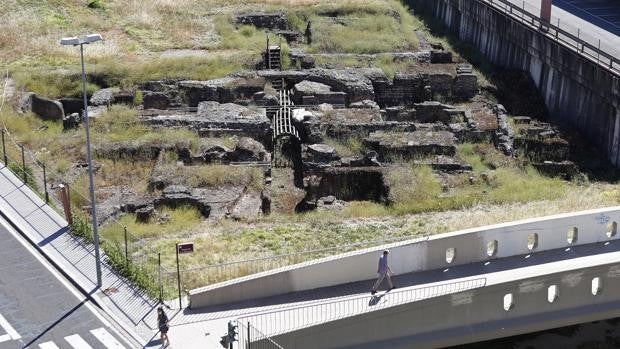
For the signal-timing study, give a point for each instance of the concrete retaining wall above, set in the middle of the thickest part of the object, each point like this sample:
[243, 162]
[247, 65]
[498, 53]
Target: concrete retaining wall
[474, 315]
[577, 92]
[423, 254]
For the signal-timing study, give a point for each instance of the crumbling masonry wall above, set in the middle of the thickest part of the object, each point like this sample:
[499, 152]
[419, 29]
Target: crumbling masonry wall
[577, 92]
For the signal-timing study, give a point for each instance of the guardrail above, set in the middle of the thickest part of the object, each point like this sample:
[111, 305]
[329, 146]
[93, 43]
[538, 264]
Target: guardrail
[588, 50]
[282, 321]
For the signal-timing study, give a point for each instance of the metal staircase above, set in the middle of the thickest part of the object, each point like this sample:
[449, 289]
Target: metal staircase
[273, 56]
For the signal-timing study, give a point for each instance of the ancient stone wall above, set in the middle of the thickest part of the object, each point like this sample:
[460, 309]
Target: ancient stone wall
[577, 92]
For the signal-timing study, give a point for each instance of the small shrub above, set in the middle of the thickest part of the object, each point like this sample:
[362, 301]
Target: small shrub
[350, 147]
[181, 219]
[142, 275]
[81, 226]
[96, 4]
[138, 98]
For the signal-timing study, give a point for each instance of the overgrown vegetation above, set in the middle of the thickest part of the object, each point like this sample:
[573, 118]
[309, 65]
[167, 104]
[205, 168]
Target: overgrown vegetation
[121, 123]
[346, 147]
[221, 175]
[177, 221]
[190, 39]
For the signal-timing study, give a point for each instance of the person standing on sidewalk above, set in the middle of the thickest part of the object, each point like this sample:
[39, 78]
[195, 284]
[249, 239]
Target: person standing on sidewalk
[162, 322]
[384, 272]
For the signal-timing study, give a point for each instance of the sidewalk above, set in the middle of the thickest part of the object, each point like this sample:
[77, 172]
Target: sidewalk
[48, 231]
[130, 307]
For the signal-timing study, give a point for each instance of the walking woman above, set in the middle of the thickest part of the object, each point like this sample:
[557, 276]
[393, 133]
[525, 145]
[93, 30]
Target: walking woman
[162, 322]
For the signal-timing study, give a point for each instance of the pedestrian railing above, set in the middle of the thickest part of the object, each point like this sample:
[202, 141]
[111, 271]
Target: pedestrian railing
[294, 318]
[575, 41]
[251, 338]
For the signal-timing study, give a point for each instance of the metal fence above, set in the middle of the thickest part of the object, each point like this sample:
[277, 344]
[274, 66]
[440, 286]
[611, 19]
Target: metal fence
[251, 338]
[570, 36]
[282, 321]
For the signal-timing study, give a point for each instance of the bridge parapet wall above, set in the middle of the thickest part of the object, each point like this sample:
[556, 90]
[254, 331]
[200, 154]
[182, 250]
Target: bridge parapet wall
[519, 305]
[578, 91]
[429, 253]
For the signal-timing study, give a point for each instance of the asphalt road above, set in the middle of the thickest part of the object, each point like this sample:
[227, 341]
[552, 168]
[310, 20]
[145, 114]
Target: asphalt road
[38, 309]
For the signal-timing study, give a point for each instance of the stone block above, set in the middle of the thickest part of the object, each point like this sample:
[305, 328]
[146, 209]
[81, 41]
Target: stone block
[71, 121]
[263, 20]
[155, 100]
[321, 153]
[465, 86]
[47, 109]
[72, 105]
[104, 96]
[438, 56]
[522, 120]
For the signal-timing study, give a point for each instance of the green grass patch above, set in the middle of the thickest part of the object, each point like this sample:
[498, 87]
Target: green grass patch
[361, 34]
[245, 37]
[222, 175]
[348, 147]
[416, 189]
[179, 220]
[53, 84]
[121, 123]
[469, 153]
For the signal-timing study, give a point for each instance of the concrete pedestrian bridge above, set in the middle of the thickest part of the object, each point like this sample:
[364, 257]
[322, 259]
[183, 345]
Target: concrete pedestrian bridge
[453, 288]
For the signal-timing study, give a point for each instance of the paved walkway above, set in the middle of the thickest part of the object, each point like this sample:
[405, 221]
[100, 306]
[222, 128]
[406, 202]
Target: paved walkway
[277, 314]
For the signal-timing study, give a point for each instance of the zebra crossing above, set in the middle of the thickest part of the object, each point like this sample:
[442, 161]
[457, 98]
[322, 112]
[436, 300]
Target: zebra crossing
[103, 340]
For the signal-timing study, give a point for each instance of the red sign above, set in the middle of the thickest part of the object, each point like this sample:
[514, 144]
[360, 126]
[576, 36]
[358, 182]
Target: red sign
[186, 247]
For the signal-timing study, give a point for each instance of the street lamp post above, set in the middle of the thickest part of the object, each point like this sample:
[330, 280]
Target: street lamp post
[74, 41]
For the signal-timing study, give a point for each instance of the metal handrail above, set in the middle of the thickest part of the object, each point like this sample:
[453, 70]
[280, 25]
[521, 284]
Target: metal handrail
[289, 319]
[549, 29]
[251, 338]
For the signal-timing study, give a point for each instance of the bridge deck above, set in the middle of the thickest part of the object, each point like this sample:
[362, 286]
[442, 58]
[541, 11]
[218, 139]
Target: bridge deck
[354, 298]
[591, 20]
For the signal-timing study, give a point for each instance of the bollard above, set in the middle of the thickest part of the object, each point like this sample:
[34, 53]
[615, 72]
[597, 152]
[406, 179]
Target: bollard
[66, 203]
